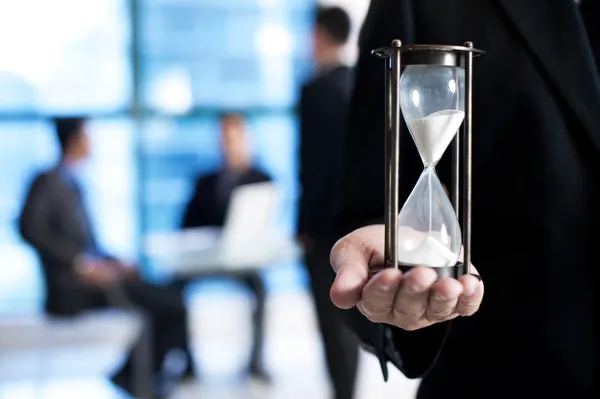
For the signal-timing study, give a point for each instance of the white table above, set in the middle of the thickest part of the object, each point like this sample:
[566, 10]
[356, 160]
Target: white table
[200, 252]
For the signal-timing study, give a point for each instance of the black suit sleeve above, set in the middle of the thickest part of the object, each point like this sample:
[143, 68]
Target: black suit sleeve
[363, 200]
[193, 213]
[36, 224]
[261, 177]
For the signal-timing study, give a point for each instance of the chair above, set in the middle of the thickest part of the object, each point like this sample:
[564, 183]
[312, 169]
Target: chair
[37, 338]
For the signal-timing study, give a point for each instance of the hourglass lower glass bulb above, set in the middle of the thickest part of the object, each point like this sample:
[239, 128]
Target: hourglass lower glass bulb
[428, 230]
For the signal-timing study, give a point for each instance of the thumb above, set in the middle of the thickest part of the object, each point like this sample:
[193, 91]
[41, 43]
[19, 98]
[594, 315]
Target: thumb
[351, 263]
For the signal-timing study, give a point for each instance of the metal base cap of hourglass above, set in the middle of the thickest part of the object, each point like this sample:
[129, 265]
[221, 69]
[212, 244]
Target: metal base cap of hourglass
[455, 271]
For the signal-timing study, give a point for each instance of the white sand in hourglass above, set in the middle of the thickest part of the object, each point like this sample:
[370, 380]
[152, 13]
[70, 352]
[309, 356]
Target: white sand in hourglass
[430, 253]
[433, 133]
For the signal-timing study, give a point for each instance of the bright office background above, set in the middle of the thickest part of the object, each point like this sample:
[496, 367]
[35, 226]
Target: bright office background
[153, 75]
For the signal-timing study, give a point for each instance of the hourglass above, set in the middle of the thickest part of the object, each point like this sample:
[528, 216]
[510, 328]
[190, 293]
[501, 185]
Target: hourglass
[431, 87]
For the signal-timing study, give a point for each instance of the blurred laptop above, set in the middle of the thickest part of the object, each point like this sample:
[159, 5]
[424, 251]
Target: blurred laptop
[248, 239]
[250, 222]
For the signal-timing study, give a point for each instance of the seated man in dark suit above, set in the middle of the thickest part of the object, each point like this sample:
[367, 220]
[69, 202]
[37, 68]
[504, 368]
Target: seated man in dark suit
[78, 274]
[208, 207]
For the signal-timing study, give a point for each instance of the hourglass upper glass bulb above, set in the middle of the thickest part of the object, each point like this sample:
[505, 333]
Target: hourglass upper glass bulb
[432, 102]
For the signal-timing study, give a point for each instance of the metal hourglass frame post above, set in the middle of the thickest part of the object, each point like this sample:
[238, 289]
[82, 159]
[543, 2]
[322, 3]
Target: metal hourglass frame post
[467, 126]
[393, 124]
[397, 57]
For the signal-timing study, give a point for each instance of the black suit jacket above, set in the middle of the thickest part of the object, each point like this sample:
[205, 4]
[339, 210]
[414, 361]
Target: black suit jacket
[203, 209]
[536, 195]
[323, 108]
[55, 223]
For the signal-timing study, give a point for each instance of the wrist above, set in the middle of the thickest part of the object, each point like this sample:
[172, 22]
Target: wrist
[84, 264]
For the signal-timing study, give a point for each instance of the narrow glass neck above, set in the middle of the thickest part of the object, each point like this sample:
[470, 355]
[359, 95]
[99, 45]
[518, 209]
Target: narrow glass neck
[430, 165]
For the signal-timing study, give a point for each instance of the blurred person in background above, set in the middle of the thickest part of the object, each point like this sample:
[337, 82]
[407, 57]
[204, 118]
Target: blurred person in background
[208, 208]
[79, 275]
[323, 106]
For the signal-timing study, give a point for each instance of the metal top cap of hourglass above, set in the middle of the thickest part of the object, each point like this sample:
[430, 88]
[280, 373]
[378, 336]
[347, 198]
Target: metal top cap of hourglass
[428, 54]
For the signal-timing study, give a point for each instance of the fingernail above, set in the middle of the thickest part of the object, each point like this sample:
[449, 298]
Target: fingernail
[469, 290]
[350, 279]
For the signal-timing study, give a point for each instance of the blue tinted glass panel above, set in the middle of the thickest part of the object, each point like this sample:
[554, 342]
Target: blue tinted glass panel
[110, 180]
[25, 148]
[227, 54]
[275, 145]
[64, 55]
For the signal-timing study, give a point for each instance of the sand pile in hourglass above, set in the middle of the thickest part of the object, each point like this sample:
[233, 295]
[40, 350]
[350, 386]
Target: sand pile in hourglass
[431, 253]
[432, 135]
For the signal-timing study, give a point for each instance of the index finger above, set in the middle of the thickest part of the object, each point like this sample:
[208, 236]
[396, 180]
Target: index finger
[365, 243]
[354, 258]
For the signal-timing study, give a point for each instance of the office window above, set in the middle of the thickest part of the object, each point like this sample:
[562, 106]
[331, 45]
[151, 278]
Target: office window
[110, 181]
[64, 56]
[230, 54]
[275, 143]
[25, 147]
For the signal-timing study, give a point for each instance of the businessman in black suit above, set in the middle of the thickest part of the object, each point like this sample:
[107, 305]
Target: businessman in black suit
[536, 190]
[79, 275]
[208, 207]
[323, 106]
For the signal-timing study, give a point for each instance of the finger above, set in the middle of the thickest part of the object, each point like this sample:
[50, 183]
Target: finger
[347, 288]
[352, 258]
[470, 300]
[411, 301]
[377, 299]
[365, 242]
[443, 299]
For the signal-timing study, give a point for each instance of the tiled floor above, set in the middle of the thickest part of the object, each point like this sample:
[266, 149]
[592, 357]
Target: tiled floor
[221, 338]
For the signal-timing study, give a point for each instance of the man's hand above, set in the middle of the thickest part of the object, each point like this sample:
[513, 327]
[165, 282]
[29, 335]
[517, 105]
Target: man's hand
[385, 295]
[99, 277]
[95, 272]
[123, 270]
